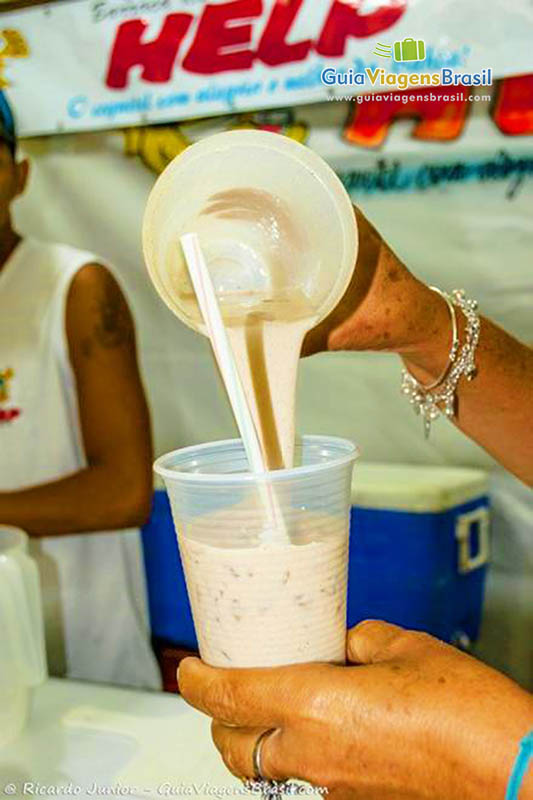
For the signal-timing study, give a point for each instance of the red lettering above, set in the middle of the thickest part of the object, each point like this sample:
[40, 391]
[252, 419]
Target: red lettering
[437, 117]
[218, 46]
[344, 20]
[513, 109]
[156, 57]
[273, 48]
[9, 414]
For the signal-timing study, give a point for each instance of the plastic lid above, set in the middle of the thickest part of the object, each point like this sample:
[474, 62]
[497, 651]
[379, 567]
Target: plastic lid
[402, 487]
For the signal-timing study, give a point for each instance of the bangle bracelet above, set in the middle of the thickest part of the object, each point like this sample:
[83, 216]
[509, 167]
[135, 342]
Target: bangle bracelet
[427, 403]
[525, 753]
[455, 339]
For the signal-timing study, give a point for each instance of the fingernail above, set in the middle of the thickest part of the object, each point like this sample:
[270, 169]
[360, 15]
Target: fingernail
[178, 672]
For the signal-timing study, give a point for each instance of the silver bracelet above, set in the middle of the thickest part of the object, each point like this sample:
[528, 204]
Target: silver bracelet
[427, 403]
[455, 339]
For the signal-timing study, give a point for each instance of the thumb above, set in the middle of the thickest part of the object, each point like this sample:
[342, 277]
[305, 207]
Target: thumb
[371, 641]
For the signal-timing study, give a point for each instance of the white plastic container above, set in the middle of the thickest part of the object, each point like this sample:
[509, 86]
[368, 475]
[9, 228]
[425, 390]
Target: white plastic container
[22, 648]
[279, 236]
[262, 596]
[275, 224]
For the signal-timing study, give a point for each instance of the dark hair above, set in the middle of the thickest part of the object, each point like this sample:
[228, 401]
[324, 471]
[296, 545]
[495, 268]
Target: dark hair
[7, 125]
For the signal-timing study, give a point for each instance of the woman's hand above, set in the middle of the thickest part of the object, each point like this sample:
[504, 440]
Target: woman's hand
[384, 308]
[416, 719]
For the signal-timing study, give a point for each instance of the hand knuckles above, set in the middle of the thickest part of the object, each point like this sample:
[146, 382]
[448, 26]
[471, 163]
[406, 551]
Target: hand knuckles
[373, 626]
[219, 699]
[384, 639]
[317, 705]
[409, 642]
[422, 641]
[373, 630]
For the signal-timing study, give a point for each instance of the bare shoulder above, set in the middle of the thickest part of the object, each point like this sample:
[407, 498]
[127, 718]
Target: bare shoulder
[97, 314]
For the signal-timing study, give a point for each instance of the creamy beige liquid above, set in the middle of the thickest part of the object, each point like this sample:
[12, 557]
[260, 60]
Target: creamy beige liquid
[268, 605]
[267, 323]
[267, 354]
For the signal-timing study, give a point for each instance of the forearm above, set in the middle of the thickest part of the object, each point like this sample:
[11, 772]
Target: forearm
[495, 408]
[96, 498]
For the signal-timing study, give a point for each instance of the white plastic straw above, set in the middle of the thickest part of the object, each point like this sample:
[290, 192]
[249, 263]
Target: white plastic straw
[208, 302]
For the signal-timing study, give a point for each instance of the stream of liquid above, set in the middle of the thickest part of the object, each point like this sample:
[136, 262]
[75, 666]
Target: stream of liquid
[266, 313]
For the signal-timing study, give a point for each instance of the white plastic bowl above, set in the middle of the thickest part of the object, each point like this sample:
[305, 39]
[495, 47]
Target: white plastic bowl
[274, 222]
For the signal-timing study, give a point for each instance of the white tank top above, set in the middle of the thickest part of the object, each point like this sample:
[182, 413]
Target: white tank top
[83, 576]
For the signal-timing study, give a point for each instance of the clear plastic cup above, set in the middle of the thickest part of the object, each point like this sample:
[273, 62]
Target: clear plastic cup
[264, 594]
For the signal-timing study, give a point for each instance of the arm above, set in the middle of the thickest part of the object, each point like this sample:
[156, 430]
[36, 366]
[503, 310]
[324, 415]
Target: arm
[386, 308]
[495, 408]
[415, 718]
[114, 490]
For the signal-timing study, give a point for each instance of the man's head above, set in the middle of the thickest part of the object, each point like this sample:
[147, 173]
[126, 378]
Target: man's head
[13, 173]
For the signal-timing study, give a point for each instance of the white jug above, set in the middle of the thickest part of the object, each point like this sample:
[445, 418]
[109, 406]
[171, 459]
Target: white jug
[22, 648]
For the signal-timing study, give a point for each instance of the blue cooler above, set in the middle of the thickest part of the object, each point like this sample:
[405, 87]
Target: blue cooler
[168, 602]
[418, 554]
[419, 548]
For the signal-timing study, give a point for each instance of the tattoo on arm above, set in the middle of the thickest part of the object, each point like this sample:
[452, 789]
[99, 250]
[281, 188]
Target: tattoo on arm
[97, 315]
[114, 326]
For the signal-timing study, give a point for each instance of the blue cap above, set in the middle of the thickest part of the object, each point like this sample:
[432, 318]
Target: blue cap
[7, 124]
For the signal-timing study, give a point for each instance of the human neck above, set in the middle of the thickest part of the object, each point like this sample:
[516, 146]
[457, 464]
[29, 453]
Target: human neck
[9, 239]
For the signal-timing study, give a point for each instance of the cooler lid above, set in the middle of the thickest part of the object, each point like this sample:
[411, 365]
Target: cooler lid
[405, 487]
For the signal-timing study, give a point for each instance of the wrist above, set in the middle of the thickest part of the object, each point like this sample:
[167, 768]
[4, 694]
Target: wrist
[520, 782]
[489, 755]
[426, 356]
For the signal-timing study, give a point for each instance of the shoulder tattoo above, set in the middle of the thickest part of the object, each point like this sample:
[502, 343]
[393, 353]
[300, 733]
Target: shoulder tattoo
[113, 326]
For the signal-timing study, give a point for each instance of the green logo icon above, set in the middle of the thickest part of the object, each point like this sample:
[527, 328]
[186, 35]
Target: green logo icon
[410, 50]
[383, 50]
[404, 50]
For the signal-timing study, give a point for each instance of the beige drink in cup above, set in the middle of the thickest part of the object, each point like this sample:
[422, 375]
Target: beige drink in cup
[258, 599]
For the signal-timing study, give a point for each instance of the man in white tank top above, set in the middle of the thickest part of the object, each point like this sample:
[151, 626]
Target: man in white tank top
[75, 444]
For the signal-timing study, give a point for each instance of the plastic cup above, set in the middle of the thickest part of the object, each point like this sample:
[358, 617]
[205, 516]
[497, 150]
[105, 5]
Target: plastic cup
[275, 225]
[256, 599]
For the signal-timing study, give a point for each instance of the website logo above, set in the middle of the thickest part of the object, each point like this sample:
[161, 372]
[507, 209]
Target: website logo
[407, 49]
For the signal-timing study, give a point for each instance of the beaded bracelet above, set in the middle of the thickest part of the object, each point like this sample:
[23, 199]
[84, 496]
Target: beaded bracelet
[426, 402]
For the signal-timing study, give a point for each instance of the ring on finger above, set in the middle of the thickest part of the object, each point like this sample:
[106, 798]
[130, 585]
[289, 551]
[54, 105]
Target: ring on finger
[257, 755]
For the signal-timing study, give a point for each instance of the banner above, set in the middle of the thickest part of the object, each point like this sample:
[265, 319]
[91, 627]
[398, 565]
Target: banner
[94, 64]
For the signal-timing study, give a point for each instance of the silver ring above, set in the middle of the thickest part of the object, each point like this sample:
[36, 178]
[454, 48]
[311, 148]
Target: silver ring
[256, 755]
